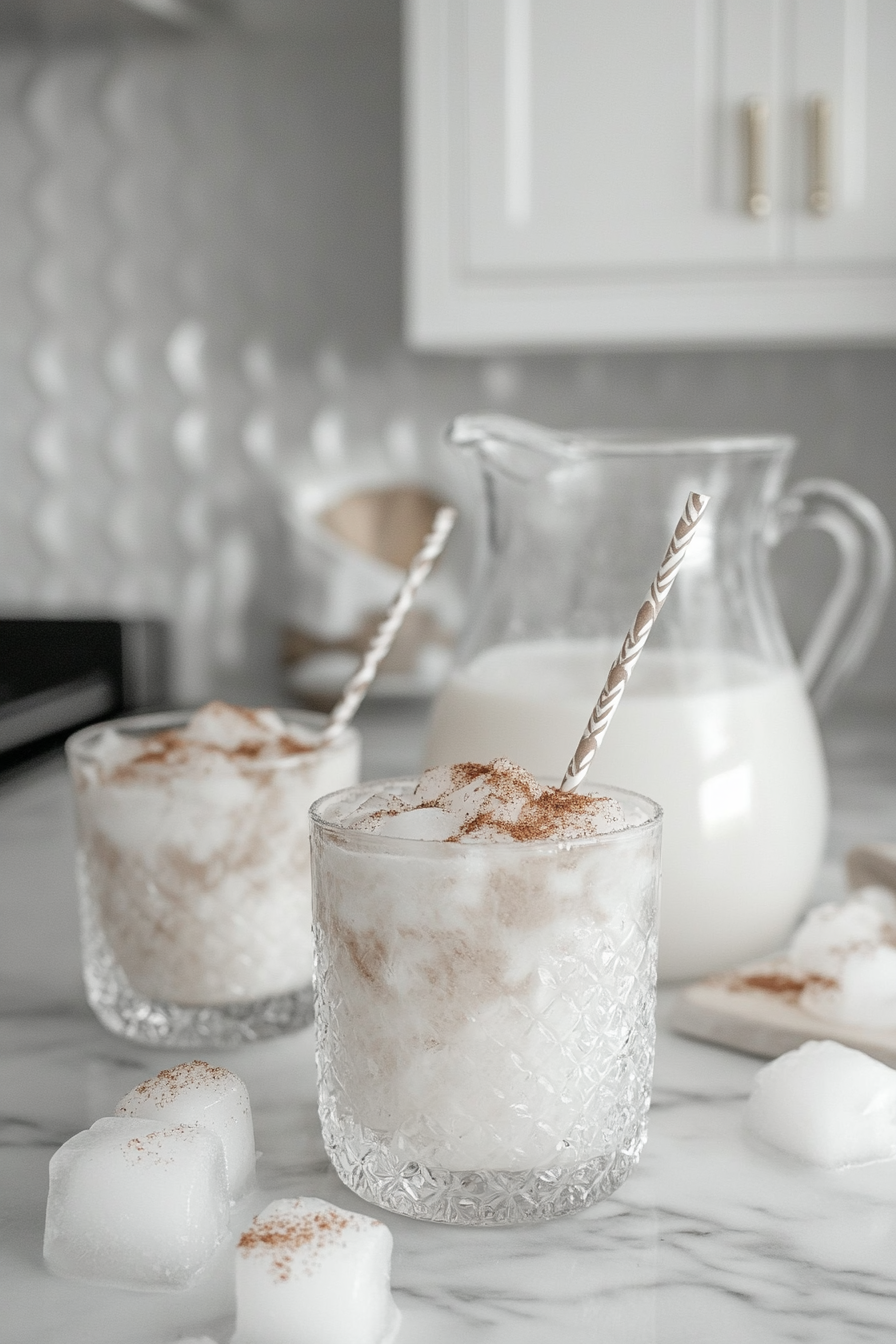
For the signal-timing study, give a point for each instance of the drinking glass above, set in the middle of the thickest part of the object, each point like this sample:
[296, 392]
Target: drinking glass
[194, 885]
[485, 1013]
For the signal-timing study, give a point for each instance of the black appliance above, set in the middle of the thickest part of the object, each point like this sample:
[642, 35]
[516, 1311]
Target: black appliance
[57, 675]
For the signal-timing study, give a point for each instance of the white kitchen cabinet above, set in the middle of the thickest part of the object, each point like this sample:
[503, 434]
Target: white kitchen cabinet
[847, 49]
[582, 171]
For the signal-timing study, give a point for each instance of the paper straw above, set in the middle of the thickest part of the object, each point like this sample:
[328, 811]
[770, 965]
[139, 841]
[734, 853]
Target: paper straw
[379, 646]
[633, 644]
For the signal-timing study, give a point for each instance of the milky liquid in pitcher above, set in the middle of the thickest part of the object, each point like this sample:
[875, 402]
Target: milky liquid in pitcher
[727, 745]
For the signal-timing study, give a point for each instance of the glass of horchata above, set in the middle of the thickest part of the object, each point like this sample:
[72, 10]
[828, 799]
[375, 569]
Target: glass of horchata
[193, 869]
[485, 991]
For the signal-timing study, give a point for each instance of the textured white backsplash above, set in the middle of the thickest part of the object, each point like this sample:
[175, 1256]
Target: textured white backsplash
[200, 281]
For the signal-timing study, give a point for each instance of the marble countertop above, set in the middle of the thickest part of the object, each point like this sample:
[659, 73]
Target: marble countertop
[710, 1239]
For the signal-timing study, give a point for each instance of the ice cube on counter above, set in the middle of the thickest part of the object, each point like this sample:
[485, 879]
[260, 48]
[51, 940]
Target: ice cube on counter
[200, 1094]
[826, 1104]
[308, 1272]
[135, 1204]
[848, 951]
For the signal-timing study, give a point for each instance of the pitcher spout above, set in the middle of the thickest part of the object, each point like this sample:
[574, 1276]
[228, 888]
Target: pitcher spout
[516, 448]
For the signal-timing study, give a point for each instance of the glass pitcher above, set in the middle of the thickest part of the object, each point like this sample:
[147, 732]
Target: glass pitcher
[716, 723]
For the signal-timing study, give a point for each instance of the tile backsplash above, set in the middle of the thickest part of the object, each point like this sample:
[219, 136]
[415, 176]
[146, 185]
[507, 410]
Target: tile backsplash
[200, 266]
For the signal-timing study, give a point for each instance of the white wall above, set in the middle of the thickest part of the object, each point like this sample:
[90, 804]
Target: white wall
[241, 194]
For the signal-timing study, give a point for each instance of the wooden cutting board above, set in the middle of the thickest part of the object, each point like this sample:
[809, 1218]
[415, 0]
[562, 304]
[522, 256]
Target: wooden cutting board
[766, 1022]
[755, 1008]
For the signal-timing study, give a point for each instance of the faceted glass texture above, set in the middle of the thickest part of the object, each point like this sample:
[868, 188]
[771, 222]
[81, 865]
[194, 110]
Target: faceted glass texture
[485, 1014]
[194, 884]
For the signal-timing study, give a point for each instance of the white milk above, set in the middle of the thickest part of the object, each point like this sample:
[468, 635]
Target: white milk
[727, 746]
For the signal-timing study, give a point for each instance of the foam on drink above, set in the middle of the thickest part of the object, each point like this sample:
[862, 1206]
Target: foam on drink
[308, 1272]
[826, 1104]
[136, 1204]
[200, 1094]
[194, 851]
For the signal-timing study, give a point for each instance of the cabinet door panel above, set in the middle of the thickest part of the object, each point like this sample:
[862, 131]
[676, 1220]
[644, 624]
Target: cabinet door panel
[607, 135]
[750, 67]
[844, 52]
[576, 172]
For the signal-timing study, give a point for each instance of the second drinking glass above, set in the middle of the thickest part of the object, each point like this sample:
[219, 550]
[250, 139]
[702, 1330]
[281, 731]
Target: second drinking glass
[193, 870]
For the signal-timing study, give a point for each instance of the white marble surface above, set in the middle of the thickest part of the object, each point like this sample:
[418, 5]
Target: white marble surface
[711, 1239]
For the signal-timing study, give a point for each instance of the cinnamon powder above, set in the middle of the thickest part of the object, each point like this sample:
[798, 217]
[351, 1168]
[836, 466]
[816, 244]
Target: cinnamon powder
[779, 983]
[283, 1236]
[169, 1083]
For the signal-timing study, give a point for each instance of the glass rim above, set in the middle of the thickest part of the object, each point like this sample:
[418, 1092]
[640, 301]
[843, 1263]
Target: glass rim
[373, 842]
[625, 443]
[144, 725]
[490, 432]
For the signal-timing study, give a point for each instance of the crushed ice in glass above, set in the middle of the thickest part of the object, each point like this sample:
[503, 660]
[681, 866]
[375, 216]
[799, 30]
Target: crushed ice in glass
[500, 801]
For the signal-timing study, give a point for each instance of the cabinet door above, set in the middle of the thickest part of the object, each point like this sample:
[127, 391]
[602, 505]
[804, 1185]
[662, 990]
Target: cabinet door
[575, 172]
[844, 74]
[610, 135]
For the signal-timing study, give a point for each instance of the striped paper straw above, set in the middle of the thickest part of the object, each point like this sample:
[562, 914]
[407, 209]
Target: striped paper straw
[633, 644]
[382, 641]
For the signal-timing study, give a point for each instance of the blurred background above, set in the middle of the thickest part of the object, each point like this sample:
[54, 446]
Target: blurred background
[201, 320]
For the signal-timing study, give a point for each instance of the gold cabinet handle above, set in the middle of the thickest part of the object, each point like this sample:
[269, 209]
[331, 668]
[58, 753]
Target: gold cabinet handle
[820, 117]
[758, 202]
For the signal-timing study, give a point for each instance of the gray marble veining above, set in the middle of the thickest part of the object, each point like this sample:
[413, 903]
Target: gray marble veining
[712, 1238]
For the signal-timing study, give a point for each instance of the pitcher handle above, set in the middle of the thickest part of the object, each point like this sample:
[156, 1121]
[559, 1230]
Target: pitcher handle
[851, 616]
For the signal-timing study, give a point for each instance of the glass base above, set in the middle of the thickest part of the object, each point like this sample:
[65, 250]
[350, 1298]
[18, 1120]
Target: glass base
[492, 1198]
[126, 1013]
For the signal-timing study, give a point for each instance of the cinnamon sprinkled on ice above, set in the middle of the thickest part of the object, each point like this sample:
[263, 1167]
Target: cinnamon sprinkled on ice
[840, 965]
[198, 1093]
[498, 802]
[282, 1235]
[216, 732]
[171, 1083]
[310, 1273]
[136, 1204]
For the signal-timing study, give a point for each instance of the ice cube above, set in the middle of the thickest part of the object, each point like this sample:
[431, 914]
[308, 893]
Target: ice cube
[369, 816]
[310, 1273]
[833, 930]
[827, 1105]
[198, 1094]
[848, 949]
[881, 899]
[433, 783]
[112, 748]
[502, 790]
[863, 993]
[136, 1205]
[423, 823]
